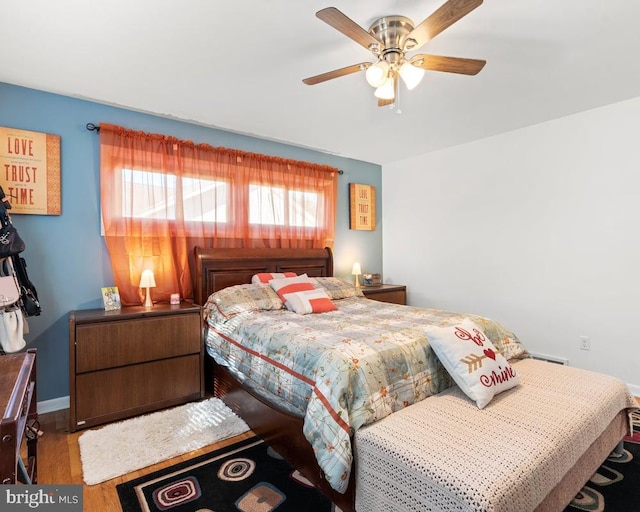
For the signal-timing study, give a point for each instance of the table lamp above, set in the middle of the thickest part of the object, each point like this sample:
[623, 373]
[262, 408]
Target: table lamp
[147, 280]
[356, 271]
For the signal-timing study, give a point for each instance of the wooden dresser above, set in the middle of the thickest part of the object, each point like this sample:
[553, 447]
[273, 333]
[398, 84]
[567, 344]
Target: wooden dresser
[133, 361]
[395, 293]
[18, 403]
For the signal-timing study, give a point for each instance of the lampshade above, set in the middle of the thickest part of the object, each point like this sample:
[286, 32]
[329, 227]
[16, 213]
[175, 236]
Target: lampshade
[356, 271]
[147, 280]
[411, 75]
[377, 73]
[387, 90]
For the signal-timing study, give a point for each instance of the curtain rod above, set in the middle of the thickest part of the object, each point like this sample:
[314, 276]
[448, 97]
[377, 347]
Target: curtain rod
[93, 128]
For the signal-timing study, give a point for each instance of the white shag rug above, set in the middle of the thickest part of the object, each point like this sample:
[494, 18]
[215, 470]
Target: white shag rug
[126, 446]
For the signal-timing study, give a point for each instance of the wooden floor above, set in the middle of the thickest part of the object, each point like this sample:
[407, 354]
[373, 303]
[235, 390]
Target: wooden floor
[59, 462]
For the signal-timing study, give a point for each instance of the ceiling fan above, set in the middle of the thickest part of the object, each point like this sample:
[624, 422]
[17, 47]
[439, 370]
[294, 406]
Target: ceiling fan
[390, 38]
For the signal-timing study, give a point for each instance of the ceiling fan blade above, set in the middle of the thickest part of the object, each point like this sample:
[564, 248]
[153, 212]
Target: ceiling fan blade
[443, 17]
[384, 103]
[336, 73]
[448, 64]
[348, 27]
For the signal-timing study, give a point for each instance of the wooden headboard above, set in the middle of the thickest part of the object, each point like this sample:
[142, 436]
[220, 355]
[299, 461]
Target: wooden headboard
[219, 268]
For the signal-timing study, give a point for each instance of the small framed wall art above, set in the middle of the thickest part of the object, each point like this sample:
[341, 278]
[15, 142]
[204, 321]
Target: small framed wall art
[30, 165]
[362, 207]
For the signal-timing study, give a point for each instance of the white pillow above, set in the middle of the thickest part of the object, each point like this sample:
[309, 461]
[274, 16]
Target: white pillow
[290, 285]
[309, 301]
[472, 360]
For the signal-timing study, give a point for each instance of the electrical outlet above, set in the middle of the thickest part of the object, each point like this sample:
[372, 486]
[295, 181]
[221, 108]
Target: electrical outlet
[585, 343]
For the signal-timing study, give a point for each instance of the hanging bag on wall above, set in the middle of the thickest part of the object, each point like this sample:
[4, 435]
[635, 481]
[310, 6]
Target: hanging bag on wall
[10, 241]
[30, 303]
[9, 291]
[11, 330]
[28, 293]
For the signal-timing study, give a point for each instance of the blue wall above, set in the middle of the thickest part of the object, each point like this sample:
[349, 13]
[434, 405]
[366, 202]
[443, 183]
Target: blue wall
[66, 256]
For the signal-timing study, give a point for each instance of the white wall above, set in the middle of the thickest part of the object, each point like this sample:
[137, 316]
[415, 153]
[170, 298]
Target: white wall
[537, 228]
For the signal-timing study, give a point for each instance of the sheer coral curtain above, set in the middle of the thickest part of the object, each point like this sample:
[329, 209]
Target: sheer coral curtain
[161, 196]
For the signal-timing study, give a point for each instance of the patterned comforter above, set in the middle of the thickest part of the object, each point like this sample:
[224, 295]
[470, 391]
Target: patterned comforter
[340, 370]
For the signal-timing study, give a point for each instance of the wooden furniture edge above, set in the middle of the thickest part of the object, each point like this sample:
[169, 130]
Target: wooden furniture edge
[19, 421]
[281, 430]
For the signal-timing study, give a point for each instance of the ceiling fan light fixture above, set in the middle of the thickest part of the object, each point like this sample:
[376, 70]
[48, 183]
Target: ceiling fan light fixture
[377, 73]
[389, 38]
[387, 90]
[411, 75]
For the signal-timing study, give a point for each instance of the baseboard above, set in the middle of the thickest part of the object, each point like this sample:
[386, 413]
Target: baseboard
[550, 359]
[55, 404]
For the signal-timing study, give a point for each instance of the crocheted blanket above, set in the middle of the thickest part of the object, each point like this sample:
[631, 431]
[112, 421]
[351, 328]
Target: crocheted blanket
[446, 454]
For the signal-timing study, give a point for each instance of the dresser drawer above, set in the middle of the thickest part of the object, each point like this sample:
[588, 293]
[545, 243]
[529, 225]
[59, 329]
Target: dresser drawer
[396, 294]
[126, 391]
[396, 297]
[111, 344]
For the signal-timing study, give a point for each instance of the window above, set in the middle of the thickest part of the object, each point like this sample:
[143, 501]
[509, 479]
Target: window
[303, 209]
[161, 196]
[211, 193]
[267, 205]
[154, 195]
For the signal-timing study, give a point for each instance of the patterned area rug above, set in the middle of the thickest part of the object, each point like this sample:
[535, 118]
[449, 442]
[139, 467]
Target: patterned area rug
[246, 476]
[250, 477]
[616, 485]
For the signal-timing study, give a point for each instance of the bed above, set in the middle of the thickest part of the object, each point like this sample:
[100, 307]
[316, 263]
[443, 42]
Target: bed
[305, 408]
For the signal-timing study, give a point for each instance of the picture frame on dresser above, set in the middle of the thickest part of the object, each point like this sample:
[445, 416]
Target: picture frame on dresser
[111, 298]
[374, 279]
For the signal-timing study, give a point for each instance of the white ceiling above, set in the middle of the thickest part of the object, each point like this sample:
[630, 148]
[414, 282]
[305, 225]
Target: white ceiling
[238, 65]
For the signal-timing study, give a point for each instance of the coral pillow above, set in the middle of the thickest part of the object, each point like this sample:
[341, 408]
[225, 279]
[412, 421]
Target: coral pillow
[472, 360]
[309, 301]
[291, 285]
[265, 277]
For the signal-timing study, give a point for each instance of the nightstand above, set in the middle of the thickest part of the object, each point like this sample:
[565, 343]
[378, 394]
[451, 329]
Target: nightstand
[132, 361]
[394, 293]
